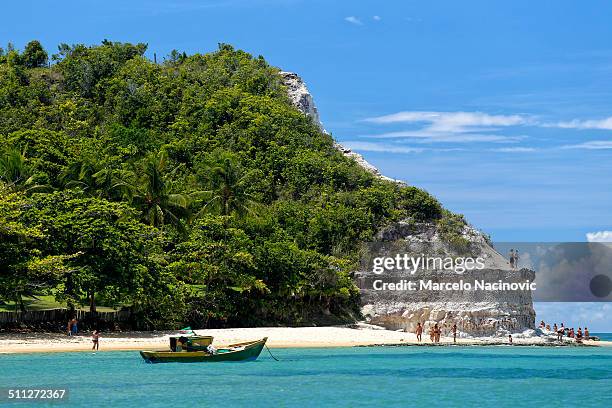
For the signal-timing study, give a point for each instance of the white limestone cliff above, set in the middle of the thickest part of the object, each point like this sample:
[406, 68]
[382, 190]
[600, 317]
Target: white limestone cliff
[301, 97]
[476, 313]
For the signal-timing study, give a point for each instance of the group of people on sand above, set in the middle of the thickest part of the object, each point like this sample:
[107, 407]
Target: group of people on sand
[434, 332]
[561, 331]
[513, 256]
[73, 329]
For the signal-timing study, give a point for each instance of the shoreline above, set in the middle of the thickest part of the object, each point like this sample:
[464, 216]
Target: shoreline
[278, 337]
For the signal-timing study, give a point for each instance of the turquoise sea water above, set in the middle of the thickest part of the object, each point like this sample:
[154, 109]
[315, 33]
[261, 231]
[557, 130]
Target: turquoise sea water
[503, 376]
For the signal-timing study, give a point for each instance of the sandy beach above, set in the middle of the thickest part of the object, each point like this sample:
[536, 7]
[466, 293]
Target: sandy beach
[278, 337]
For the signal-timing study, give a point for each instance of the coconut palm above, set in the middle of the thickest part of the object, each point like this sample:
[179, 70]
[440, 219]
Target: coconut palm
[228, 187]
[17, 174]
[97, 179]
[152, 193]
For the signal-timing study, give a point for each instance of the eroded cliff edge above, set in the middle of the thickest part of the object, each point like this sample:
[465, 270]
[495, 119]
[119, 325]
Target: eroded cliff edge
[477, 313]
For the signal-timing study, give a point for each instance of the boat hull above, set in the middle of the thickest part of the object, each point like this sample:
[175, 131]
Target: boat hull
[248, 351]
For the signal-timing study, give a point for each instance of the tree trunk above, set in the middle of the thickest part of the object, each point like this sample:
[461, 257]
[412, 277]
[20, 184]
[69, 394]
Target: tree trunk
[69, 291]
[21, 305]
[71, 308]
[92, 302]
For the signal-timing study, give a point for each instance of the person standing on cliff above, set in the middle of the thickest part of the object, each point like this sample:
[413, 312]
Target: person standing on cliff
[419, 332]
[516, 259]
[511, 257]
[454, 329]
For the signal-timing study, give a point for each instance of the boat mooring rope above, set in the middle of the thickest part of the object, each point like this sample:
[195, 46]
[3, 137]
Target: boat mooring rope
[271, 355]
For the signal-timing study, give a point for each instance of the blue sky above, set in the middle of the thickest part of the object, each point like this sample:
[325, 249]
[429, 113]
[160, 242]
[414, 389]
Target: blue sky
[502, 110]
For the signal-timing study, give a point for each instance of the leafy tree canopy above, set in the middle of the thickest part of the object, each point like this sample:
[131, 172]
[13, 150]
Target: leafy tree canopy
[191, 191]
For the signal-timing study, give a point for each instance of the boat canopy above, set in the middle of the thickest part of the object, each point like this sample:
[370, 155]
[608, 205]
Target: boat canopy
[190, 343]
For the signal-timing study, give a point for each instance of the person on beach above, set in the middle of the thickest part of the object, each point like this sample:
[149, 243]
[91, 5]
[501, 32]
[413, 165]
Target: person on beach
[454, 329]
[95, 338]
[542, 324]
[437, 332]
[587, 335]
[510, 338]
[511, 257]
[432, 334]
[555, 328]
[74, 326]
[571, 333]
[579, 334]
[69, 327]
[419, 332]
[560, 332]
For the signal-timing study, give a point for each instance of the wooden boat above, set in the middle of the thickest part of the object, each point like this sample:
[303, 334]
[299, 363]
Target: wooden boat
[247, 351]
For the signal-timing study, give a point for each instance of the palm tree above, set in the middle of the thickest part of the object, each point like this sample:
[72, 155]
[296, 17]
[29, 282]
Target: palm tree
[13, 168]
[153, 193]
[228, 183]
[97, 179]
[17, 174]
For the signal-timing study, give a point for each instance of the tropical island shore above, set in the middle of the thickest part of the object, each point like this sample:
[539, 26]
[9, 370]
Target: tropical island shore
[278, 337]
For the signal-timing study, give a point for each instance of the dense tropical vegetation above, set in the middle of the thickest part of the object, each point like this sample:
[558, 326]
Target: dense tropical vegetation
[191, 191]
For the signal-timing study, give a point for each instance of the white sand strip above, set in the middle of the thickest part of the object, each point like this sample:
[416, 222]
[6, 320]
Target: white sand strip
[277, 337]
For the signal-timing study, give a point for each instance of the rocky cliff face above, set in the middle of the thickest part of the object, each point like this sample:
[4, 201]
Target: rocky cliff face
[300, 97]
[477, 313]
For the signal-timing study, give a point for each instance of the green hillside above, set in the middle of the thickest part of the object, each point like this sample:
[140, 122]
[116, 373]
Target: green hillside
[191, 190]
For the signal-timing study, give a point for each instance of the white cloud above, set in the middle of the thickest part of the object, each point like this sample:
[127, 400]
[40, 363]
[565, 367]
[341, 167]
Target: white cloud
[353, 20]
[591, 145]
[479, 127]
[517, 149]
[380, 147]
[457, 127]
[467, 121]
[376, 18]
[599, 236]
[452, 121]
[604, 124]
[428, 136]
